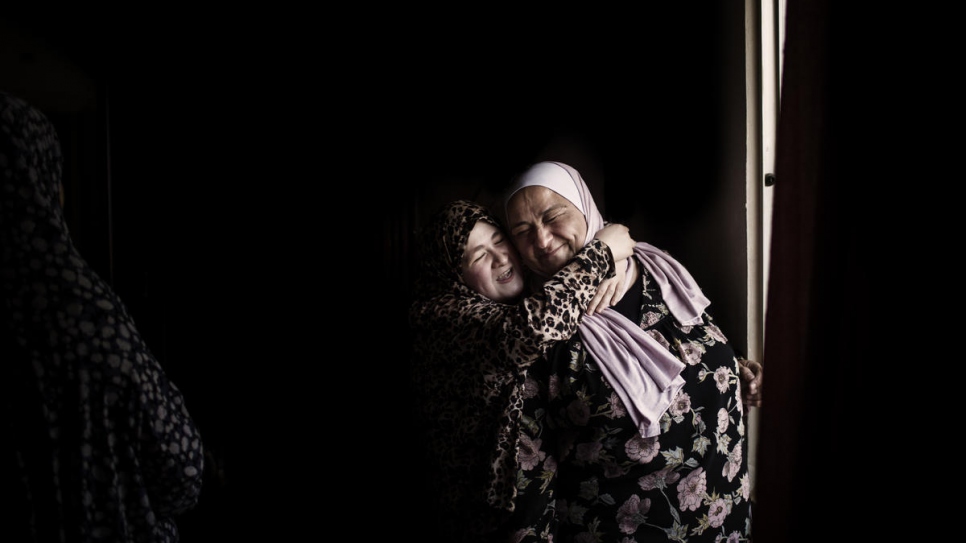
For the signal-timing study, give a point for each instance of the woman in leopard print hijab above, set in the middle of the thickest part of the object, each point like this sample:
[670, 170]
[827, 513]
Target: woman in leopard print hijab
[471, 358]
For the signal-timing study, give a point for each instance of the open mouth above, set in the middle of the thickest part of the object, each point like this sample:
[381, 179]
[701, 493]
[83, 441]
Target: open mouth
[504, 277]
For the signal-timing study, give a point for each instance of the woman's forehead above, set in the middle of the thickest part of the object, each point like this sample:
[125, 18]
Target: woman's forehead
[481, 232]
[535, 199]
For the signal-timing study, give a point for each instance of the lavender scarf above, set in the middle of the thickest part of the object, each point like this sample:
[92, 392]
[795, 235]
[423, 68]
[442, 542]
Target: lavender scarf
[643, 373]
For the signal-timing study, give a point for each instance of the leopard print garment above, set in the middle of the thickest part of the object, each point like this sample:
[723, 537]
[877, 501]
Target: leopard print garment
[469, 368]
[98, 443]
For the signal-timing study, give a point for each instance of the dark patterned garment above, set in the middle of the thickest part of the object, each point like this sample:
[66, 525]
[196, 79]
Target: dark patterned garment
[98, 444]
[585, 458]
[471, 359]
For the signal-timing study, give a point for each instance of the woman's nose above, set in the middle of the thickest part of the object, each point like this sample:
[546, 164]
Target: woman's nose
[543, 237]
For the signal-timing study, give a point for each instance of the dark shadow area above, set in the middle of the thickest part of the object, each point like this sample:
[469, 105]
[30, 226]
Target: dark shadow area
[252, 189]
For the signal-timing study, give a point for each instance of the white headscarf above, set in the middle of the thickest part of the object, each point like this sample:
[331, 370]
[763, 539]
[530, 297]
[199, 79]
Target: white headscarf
[642, 372]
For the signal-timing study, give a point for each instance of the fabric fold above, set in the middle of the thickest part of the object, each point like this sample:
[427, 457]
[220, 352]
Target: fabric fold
[681, 292]
[641, 371]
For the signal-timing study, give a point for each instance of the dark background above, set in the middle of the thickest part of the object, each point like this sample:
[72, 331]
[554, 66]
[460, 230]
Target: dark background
[250, 185]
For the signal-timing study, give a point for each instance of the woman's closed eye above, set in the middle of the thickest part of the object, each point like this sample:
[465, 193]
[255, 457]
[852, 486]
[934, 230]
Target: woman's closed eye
[550, 218]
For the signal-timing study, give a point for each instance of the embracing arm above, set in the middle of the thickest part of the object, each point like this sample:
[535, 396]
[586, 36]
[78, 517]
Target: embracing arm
[618, 239]
[589, 282]
[553, 312]
[467, 323]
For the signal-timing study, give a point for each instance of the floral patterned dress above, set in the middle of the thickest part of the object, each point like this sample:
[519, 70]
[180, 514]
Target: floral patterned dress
[584, 458]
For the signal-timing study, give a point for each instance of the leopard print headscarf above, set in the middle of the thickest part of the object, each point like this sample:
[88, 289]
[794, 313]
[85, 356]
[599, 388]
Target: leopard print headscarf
[441, 245]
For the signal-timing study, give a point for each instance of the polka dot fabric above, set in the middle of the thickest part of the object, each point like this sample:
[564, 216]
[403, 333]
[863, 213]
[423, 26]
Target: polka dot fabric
[99, 443]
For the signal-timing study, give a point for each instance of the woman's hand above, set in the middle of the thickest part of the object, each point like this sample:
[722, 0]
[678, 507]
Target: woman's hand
[618, 239]
[609, 292]
[750, 373]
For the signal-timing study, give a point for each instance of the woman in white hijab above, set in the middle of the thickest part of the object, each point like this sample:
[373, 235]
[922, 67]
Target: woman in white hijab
[645, 400]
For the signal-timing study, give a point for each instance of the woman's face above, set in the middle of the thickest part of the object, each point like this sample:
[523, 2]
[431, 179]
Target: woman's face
[547, 229]
[491, 265]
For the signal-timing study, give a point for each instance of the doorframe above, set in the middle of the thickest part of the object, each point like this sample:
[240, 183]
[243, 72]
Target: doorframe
[764, 39]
